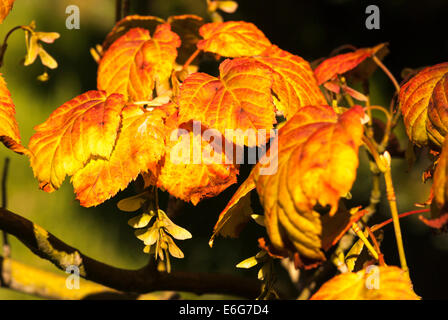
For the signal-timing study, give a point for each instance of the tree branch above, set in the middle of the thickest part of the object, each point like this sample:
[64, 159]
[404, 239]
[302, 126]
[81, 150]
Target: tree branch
[146, 279]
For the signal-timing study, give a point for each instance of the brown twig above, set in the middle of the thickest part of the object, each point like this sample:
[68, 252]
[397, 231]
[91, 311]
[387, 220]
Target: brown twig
[4, 205]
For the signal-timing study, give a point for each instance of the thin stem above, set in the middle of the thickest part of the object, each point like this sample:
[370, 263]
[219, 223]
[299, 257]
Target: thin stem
[366, 241]
[6, 246]
[395, 218]
[191, 58]
[401, 215]
[387, 72]
[371, 147]
[377, 247]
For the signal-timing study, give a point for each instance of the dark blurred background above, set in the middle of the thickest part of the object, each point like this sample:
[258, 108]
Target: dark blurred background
[415, 30]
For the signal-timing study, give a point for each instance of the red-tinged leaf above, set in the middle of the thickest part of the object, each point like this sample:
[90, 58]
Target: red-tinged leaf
[236, 214]
[317, 160]
[233, 39]
[9, 130]
[414, 99]
[340, 64]
[139, 147]
[187, 27]
[239, 99]
[5, 8]
[437, 124]
[134, 21]
[375, 283]
[186, 172]
[294, 81]
[79, 130]
[136, 62]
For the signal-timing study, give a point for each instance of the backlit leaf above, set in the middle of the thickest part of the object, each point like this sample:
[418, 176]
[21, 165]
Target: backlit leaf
[340, 64]
[139, 147]
[83, 128]
[376, 283]
[414, 99]
[5, 8]
[136, 62]
[233, 39]
[437, 123]
[9, 130]
[317, 161]
[239, 99]
[294, 81]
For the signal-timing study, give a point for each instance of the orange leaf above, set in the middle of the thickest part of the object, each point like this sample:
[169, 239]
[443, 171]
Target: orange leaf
[240, 99]
[233, 39]
[129, 22]
[294, 81]
[135, 62]
[375, 283]
[5, 8]
[139, 147]
[237, 212]
[437, 124]
[414, 99]
[340, 64]
[187, 27]
[9, 130]
[185, 173]
[317, 160]
[79, 130]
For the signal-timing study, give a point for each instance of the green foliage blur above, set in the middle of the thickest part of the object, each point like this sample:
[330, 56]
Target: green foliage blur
[102, 232]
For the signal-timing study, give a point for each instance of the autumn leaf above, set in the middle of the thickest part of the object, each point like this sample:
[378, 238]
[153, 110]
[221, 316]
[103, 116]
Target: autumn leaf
[239, 99]
[9, 130]
[340, 64]
[139, 147]
[236, 214]
[5, 8]
[186, 173]
[232, 39]
[129, 22]
[294, 82]
[187, 27]
[439, 212]
[317, 161]
[437, 123]
[414, 99]
[136, 62]
[79, 130]
[375, 283]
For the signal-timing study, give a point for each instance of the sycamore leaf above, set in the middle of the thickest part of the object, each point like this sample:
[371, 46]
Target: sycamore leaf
[136, 62]
[82, 128]
[376, 283]
[316, 160]
[439, 205]
[232, 39]
[414, 99]
[187, 27]
[194, 167]
[294, 81]
[437, 123]
[236, 214]
[9, 130]
[5, 8]
[129, 22]
[340, 64]
[239, 99]
[139, 147]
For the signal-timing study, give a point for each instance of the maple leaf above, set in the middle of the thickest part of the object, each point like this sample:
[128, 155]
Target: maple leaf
[186, 173]
[317, 161]
[139, 147]
[376, 283]
[414, 99]
[136, 62]
[294, 82]
[9, 130]
[239, 99]
[80, 129]
[437, 123]
[340, 64]
[232, 39]
[5, 8]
